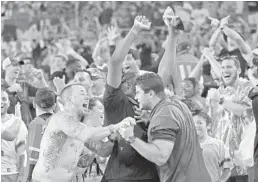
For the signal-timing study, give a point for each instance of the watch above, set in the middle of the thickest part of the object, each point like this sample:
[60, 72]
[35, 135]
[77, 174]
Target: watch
[131, 139]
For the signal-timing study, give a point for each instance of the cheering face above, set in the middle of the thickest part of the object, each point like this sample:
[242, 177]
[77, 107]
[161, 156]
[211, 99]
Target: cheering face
[80, 99]
[187, 89]
[5, 102]
[229, 72]
[130, 65]
[98, 114]
[128, 87]
[200, 125]
[142, 98]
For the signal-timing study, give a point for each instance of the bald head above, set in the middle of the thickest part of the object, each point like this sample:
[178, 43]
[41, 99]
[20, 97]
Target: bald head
[69, 89]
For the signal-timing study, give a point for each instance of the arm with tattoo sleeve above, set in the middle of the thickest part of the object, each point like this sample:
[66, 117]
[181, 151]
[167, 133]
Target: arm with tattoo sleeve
[72, 127]
[103, 149]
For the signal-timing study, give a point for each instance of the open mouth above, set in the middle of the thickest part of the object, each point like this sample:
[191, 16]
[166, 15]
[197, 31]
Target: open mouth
[226, 77]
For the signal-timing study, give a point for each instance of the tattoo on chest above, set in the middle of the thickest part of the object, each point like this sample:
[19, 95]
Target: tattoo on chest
[51, 153]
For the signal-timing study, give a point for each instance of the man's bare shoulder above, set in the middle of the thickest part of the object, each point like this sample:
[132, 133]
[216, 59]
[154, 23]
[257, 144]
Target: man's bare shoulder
[62, 117]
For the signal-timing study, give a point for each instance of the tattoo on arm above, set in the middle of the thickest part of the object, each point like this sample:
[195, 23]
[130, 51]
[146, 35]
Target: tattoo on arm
[55, 143]
[99, 146]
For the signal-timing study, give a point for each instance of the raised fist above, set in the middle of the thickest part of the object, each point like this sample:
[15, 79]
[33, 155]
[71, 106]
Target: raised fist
[142, 23]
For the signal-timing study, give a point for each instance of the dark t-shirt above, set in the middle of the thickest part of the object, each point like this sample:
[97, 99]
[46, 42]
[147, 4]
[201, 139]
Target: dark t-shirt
[253, 95]
[125, 164]
[172, 121]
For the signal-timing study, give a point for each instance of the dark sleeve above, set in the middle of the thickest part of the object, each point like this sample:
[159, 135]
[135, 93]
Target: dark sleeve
[255, 109]
[164, 125]
[31, 89]
[126, 152]
[113, 97]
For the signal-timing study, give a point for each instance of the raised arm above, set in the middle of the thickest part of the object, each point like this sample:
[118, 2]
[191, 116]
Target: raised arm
[167, 64]
[244, 48]
[196, 73]
[207, 52]
[215, 36]
[115, 65]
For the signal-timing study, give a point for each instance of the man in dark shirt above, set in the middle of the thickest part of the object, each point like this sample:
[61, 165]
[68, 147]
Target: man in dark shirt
[172, 140]
[125, 164]
[253, 95]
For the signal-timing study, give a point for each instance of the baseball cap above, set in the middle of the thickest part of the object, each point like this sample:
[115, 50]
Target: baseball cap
[45, 98]
[11, 61]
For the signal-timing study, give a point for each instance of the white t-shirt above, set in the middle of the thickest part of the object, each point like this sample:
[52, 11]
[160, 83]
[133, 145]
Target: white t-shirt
[216, 157]
[9, 155]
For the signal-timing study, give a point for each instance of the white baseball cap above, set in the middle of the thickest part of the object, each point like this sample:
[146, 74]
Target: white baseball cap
[8, 61]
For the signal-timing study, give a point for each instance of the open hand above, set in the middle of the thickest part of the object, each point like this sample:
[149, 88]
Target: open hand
[141, 115]
[142, 23]
[59, 83]
[112, 33]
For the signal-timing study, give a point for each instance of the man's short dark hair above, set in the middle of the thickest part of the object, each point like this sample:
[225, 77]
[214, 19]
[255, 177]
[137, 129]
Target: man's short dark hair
[151, 81]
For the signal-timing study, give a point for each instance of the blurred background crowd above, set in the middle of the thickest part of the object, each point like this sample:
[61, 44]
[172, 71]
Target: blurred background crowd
[59, 38]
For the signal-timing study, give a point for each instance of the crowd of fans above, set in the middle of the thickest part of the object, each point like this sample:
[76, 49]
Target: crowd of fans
[210, 65]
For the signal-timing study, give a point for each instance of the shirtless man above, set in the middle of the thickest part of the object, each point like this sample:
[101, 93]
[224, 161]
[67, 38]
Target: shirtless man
[63, 141]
